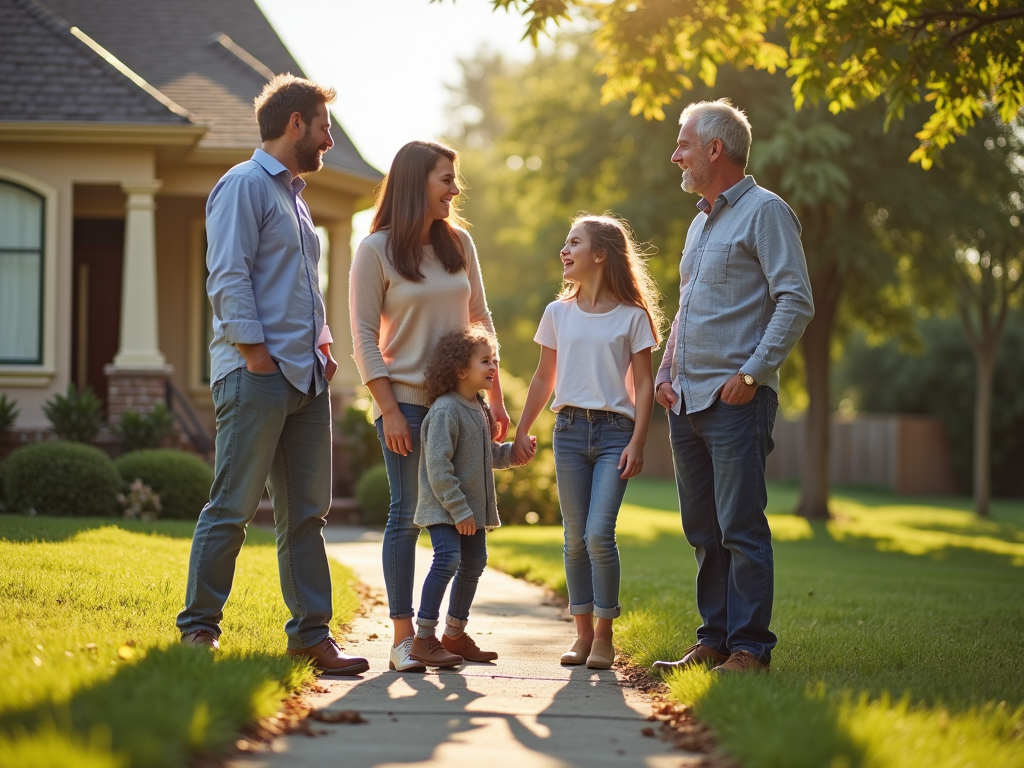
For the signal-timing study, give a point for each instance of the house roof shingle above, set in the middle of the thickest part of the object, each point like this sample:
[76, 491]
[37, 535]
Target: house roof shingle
[173, 45]
[48, 75]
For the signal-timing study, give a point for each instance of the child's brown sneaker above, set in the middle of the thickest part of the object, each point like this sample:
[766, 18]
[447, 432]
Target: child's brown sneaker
[430, 651]
[464, 646]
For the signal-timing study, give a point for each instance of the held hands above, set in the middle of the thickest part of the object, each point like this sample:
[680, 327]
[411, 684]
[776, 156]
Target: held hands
[632, 459]
[466, 527]
[665, 396]
[524, 449]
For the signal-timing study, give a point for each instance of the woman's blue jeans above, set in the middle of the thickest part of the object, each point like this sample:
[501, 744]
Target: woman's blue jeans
[588, 446]
[719, 455]
[401, 533]
[455, 556]
[269, 434]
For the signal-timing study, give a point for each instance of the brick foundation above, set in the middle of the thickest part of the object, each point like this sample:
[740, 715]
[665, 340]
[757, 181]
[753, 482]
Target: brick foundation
[134, 390]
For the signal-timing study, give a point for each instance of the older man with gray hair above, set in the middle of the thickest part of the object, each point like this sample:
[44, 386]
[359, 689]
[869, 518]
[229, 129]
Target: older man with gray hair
[744, 301]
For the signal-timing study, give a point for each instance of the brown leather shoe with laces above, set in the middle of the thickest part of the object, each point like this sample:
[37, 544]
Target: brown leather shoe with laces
[430, 651]
[742, 661]
[695, 654]
[466, 647]
[200, 638]
[328, 658]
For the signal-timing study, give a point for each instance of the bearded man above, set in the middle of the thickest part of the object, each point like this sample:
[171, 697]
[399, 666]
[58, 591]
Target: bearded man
[744, 301]
[270, 368]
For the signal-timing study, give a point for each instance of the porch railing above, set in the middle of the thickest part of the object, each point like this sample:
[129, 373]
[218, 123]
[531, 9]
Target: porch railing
[193, 428]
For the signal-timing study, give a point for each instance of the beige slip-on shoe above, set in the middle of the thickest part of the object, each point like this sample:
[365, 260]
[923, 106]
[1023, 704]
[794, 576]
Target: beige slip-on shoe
[602, 654]
[578, 653]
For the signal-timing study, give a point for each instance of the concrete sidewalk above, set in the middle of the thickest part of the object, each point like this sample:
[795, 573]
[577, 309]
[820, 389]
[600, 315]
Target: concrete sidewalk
[524, 710]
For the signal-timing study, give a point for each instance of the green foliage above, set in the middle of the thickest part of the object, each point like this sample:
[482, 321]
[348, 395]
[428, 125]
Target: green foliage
[955, 57]
[360, 437]
[939, 380]
[75, 416]
[841, 691]
[181, 479]
[530, 488]
[139, 431]
[8, 413]
[374, 495]
[94, 676]
[62, 478]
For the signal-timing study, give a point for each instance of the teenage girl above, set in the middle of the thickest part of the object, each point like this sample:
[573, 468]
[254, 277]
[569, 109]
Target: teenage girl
[457, 502]
[596, 340]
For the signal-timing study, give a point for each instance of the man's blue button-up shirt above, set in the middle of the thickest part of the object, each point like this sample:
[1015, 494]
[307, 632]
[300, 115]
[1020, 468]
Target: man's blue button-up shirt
[744, 296]
[263, 256]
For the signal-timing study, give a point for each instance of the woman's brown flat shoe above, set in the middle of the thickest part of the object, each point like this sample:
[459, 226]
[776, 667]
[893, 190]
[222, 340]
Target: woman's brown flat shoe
[578, 653]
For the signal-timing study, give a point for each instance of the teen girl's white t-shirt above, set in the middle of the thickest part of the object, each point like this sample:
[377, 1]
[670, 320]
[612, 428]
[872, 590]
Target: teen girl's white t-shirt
[592, 365]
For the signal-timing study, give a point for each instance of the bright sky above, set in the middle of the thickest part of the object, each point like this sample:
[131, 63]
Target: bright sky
[391, 59]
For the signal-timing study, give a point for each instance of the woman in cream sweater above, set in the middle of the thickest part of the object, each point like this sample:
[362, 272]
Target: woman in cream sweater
[414, 278]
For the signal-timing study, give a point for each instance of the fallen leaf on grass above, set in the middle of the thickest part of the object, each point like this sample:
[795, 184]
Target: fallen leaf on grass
[337, 716]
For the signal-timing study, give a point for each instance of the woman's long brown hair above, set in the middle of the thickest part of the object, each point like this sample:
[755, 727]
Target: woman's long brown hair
[402, 207]
[626, 273]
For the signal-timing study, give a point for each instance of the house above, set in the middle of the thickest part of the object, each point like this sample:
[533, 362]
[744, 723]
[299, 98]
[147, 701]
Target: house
[117, 117]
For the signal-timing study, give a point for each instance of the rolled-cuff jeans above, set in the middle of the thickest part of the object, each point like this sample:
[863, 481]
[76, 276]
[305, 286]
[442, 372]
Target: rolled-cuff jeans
[400, 532]
[269, 434]
[588, 445]
[719, 455]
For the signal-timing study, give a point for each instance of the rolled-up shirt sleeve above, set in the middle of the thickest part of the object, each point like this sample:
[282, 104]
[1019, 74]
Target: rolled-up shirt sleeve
[785, 268]
[366, 287]
[325, 336]
[233, 213]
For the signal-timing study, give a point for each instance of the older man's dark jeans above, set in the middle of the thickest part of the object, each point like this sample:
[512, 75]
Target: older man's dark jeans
[719, 455]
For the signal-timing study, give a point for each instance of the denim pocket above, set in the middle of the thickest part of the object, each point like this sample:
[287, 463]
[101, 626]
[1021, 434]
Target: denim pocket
[261, 375]
[736, 406]
[623, 423]
[714, 264]
[561, 422]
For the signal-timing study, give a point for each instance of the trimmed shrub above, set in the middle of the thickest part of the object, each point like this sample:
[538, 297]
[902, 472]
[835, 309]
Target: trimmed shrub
[374, 495]
[62, 478]
[182, 480]
[139, 431]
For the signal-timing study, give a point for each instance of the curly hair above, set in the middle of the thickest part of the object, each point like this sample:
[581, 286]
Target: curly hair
[452, 354]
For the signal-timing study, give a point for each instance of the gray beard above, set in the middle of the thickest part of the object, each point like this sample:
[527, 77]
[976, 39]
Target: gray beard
[687, 183]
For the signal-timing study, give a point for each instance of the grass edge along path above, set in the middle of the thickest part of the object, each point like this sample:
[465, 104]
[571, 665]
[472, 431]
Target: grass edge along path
[91, 671]
[901, 629]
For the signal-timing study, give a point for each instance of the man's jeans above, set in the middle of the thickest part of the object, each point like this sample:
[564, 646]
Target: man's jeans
[400, 532]
[455, 556]
[268, 434]
[588, 446]
[719, 455]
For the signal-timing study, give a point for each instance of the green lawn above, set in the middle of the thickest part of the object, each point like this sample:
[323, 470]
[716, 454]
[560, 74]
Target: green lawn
[91, 672]
[901, 628]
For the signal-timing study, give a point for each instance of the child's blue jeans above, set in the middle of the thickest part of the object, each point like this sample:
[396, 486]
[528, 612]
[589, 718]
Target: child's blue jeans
[455, 556]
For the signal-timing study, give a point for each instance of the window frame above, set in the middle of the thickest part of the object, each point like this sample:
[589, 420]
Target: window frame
[41, 372]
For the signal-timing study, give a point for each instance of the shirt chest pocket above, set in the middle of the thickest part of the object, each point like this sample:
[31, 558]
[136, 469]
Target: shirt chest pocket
[714, 264]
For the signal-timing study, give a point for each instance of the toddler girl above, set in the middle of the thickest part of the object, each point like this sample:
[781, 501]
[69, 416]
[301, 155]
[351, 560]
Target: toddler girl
[596, 340]
[456, 490]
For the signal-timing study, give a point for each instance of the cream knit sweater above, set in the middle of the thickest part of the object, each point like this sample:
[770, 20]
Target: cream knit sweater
[396, 323]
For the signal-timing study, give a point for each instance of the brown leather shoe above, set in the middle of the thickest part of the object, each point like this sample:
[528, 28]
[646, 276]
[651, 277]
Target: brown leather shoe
[200, 638]
[430, 651]
[466, 647]
[741, 661]
[695, 654]
[328, 658]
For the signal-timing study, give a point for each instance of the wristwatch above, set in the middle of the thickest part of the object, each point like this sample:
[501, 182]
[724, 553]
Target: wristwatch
[747, 379]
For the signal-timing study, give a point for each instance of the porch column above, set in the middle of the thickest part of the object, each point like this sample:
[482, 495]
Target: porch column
[139, 349]
[346, 380]
[137, 379]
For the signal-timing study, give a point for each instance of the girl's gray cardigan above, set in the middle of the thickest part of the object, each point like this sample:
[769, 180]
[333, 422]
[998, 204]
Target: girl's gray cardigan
[456, 463]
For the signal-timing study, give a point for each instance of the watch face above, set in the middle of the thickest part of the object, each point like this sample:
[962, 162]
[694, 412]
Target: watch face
[748, 379]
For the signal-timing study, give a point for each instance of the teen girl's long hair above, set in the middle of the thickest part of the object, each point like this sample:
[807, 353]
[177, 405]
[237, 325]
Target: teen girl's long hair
[402, 207]
[626, 273]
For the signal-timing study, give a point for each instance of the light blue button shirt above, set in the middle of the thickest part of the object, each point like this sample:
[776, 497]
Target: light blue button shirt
[744, 295]
[263, 257]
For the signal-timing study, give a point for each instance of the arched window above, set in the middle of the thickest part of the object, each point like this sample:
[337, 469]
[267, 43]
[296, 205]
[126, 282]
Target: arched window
[22, 227]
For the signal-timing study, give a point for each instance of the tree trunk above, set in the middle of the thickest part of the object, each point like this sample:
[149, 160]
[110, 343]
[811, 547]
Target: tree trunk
[826, 285]
[985, 359]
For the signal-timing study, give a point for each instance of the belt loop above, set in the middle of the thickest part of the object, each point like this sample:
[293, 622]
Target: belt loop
[572, 414]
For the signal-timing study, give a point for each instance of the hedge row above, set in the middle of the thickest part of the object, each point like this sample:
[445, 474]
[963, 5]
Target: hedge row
[73, 479]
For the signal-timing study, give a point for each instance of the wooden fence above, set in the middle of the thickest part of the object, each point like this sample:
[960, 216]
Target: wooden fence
[902, 453]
